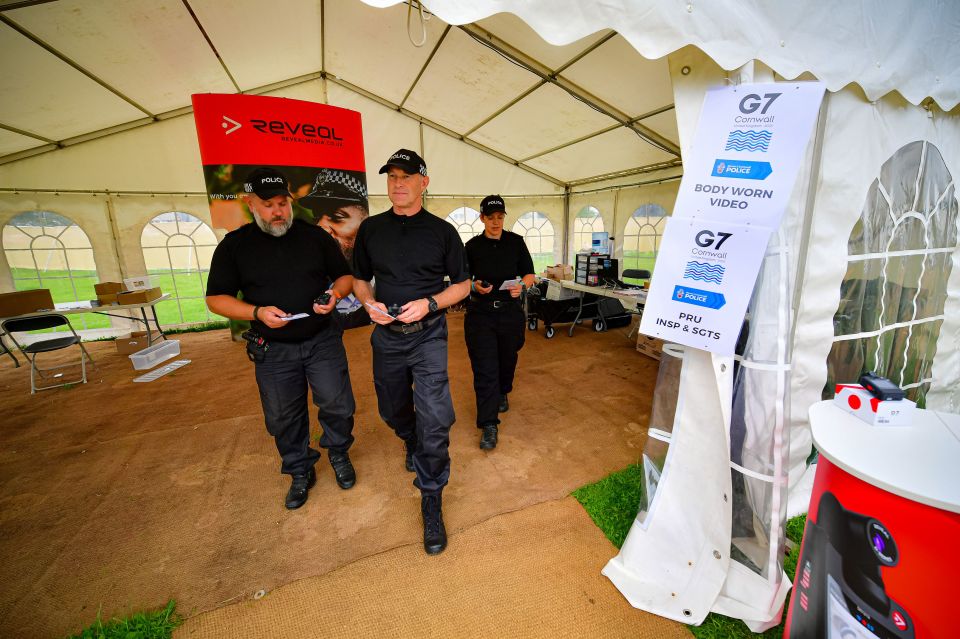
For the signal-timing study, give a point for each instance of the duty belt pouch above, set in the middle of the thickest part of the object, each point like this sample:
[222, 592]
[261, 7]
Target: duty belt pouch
[256, 346]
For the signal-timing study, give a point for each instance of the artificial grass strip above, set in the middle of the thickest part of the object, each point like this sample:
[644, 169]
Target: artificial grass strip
[158, 624]
[612, 504]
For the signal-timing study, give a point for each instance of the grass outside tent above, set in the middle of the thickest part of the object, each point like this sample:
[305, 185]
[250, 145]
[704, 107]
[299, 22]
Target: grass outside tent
[157, 624]
[612, 503]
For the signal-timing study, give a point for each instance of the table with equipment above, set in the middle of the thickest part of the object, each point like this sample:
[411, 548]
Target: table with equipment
[632, 301]
[75, 308]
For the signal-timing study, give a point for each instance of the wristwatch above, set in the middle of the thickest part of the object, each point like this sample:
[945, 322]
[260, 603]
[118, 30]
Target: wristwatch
[432, 304]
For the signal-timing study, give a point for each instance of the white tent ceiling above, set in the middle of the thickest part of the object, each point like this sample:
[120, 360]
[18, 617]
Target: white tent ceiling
[73, 70]
[595, 104]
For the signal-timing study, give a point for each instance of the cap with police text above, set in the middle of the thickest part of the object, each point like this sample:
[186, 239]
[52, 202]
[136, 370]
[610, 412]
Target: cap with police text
[266, 183]
[406, 160]
[492, 204]
[339, 186]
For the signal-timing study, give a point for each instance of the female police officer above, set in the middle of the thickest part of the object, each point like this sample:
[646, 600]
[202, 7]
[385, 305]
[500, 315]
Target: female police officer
[494, 324]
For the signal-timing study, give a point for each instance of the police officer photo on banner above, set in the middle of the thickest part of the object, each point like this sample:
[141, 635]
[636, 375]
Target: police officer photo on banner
[291, 274]
[408, 251]
[501, 269]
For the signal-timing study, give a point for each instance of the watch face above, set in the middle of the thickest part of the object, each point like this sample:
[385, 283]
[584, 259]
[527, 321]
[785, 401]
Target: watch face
[433, 304]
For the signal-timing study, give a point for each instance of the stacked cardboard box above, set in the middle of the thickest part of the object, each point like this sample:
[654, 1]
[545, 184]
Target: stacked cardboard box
[559, 272]
[107, 292]
[649, 346]
[116, 293]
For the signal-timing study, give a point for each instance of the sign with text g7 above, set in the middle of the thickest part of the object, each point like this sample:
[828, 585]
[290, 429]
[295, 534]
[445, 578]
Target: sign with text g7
[703, 282]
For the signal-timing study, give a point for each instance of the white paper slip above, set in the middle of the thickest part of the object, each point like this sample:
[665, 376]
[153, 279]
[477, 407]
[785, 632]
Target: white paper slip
[377, 309]
[293, 317]
[510, 284]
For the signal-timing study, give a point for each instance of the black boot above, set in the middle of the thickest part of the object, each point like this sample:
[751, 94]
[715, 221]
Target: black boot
[411, 448]
[488, 437]
[299, 487]
[343, 469]
[504, 404]
[434, 533]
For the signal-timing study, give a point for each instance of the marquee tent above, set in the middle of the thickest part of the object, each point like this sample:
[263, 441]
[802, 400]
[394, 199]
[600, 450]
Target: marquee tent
[580, 114]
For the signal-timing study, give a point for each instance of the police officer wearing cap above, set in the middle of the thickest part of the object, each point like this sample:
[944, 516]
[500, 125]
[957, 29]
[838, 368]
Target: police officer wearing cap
[494, 325]
[409, 251]
[282, 265]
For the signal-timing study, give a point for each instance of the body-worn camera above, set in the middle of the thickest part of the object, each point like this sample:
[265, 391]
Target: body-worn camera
[394, 309]
[323, 300]
[881, 387]
[256, 345]
[484, 283]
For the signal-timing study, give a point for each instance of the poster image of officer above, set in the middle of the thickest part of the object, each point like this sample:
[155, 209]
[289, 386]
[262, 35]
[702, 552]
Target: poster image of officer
[494, 325]
[409, 251]
[291, 275]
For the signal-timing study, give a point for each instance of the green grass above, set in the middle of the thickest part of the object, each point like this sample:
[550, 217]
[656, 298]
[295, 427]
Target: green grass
[612, 504]
[158, 624]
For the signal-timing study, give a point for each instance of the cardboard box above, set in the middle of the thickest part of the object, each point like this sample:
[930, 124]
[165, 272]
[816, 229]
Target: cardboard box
[23, 302]
[139, 297]
[649, 346]
[107, 288]
[857, 400]
[135, 341]
[137, 283]
[559, 272]
[106, 299]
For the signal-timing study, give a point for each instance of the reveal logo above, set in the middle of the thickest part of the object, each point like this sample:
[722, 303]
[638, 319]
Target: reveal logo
[227, 129]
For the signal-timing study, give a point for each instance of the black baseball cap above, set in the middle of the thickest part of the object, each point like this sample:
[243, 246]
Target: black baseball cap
[492, 204]
[266, 183]
[339, 186]
[407, 160]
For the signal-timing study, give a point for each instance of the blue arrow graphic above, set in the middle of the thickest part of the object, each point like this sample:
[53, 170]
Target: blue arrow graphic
[741, 169]
[697, 297]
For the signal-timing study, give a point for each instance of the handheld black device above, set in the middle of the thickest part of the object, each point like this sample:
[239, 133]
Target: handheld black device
[394, 309]
[484, 283]
[881, 387]
[323, 300]
[256, 345]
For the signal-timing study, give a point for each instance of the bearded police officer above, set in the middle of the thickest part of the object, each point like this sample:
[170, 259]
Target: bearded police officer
[282, 265]
[494, 325]
[409, 251]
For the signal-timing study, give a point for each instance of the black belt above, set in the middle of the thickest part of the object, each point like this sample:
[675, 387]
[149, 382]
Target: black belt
[412, 327]
[481, 304]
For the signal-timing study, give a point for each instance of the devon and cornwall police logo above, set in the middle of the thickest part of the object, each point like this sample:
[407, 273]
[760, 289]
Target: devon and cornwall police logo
[750, 141]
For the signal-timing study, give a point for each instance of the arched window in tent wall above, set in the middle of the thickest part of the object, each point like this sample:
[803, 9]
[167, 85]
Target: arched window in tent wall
[467, 222]
[585, 224]
[47, 250]
[177, 249]
[898, 263]
[537, 233]
[641, 237]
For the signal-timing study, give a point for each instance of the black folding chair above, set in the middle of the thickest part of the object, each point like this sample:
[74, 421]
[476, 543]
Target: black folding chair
[33, 349]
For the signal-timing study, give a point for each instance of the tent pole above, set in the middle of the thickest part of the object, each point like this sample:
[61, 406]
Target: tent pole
[566, 225]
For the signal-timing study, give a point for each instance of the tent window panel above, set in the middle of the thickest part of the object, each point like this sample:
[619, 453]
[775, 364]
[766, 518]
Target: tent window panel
[910, 207]
[538, 235]
[177, 249]
[48, 250]
[585, 224]
[467, 222]
[641, 237]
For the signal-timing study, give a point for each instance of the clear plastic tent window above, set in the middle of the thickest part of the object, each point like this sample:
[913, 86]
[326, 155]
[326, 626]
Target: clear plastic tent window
[895, 287]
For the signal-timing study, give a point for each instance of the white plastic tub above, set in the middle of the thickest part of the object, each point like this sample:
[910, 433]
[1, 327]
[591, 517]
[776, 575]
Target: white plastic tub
[153, 355]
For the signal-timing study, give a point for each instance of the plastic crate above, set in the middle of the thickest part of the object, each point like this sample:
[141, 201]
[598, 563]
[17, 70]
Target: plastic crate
[153, 355]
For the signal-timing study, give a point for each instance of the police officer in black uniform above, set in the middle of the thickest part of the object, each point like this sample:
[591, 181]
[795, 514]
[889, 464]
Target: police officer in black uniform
[494, 325]
[409, 251]
[282, 265]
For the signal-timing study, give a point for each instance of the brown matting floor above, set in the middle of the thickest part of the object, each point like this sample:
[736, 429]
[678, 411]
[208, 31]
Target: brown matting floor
[117, 496]
[530, 573]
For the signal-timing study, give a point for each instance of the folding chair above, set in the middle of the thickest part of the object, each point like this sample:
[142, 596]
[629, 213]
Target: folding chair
[32, 350]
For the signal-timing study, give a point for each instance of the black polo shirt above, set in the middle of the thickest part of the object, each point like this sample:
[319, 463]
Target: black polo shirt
[288, 272]
[496, 261]
[408, 255]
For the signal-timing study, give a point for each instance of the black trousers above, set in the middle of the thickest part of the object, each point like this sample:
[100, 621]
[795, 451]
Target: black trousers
[283, 376]
[494, 339]
[413, 395]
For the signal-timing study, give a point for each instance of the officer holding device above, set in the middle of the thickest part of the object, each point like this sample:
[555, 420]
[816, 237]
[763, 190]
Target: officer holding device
[283, 267]
[494, 325]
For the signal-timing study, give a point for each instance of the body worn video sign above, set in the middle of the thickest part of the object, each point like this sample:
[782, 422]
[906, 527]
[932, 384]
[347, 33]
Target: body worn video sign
[747, 151]
[738, 177]
[701, 292]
